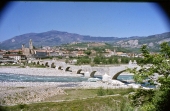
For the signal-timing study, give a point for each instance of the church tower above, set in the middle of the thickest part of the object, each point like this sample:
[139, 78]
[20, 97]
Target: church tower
[23, 48]
[30, 45]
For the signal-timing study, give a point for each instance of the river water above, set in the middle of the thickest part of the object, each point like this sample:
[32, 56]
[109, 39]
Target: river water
[4, 77]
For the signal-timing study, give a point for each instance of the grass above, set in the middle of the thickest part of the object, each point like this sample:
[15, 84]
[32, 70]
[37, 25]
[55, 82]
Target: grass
[95, 104]
[80, 100]
[102, 92]
[74, 94]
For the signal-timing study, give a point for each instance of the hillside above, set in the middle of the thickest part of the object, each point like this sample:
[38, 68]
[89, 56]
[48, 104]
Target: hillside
[55, 38]
[152, 41]
[50, 38]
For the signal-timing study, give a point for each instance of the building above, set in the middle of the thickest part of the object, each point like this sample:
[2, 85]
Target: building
[16, 57]
[41, 53]
[28, 52]
[1, 54]
[53, 54]
[80, 53]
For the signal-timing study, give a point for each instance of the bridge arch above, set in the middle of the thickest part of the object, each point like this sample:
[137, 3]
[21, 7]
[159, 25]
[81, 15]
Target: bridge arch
[92, 73]
[38, 62]
[78, 72]
[60, 68]
[68, 69]
[53, 65]
[117, 74]
[34, 63]
[46, 64]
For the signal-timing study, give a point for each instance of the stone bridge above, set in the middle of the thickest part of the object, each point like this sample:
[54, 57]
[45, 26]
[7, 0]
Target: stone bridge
[87, 70]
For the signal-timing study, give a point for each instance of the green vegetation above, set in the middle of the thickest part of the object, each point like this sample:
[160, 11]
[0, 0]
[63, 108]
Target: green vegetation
[103, 92]
[100, 59]
[114, 60]
[74, 94]
[10, 64]
[36, 65]
[96, 54]
[81, 100]
[99, 49]
[83, 60]
[88, 52]
[84, 44]
[97, 104]
[158, 99]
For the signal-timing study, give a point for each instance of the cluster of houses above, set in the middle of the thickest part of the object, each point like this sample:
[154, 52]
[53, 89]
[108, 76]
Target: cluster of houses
[25, 54]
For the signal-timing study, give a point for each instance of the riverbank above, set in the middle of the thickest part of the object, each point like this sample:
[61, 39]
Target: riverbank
[12, 93]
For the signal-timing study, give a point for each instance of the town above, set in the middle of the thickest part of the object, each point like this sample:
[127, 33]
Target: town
[90, 52]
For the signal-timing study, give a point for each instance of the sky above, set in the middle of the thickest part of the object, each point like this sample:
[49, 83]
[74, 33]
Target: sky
[105, 19]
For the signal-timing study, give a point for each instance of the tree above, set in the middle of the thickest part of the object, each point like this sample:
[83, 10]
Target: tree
[158, 99]
[116, 60]
[96, 60]
[84, 60]
[110, 60]
[8, 52]
[88, 52]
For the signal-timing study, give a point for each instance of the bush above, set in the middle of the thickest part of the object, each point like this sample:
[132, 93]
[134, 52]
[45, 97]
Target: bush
[22, 106]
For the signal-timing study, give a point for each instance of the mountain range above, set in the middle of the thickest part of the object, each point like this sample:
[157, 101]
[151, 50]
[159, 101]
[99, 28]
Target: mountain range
[56, 38]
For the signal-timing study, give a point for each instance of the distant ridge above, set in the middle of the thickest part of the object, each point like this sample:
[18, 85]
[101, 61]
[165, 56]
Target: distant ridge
[55, 38]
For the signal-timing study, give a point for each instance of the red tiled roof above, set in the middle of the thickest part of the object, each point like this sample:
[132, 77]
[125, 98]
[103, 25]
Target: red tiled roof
[17, 50]
[13, 55]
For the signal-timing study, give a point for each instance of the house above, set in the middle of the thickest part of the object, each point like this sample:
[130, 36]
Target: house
[73, 54]
[53, 54]
[17, 51]
[119, 53]
[107, 54]
[74, 61]
[41, 53]
[81, 49]
[16, 57]
[1, 54]
[107, 50]
[46, 48]
[80, 53]
[124, 55]
[60, 53]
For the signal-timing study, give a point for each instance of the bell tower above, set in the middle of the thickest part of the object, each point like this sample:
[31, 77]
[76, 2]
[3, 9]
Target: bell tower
[23, 48]
[30, 45]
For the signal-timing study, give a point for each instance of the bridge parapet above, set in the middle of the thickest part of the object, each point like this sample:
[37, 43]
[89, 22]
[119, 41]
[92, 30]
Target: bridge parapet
[88, 70]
